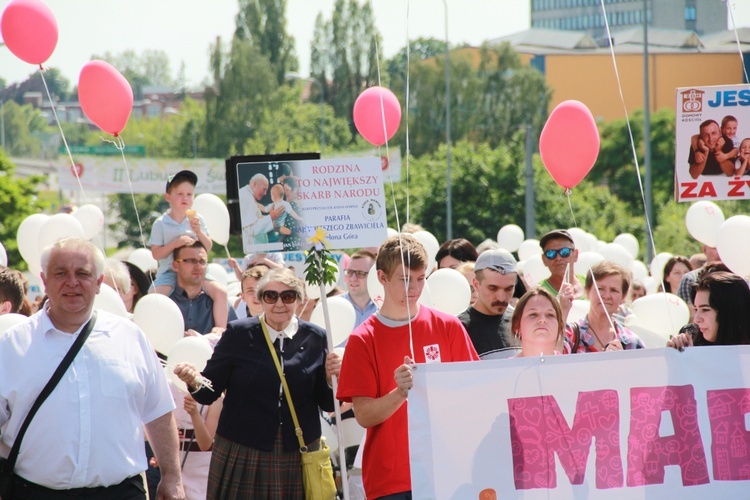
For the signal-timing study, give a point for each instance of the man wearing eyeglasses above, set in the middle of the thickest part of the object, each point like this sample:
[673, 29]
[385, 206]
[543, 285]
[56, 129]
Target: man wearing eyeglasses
[487, 321]
[190, 264]
[355, 277]
[559, 254]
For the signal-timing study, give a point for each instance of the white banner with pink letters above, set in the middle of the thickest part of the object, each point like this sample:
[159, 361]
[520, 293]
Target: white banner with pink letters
[655, 423]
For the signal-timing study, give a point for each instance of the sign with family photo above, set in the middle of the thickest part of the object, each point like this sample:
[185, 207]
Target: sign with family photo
[712, 143]
[283, 203]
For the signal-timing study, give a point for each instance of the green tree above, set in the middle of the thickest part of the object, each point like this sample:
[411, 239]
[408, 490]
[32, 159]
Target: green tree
[24, 126]
[243, 89]
[615, 166]
[262, 23]
[488, 192]
[150, 67]
[345, 54]
[18, 200]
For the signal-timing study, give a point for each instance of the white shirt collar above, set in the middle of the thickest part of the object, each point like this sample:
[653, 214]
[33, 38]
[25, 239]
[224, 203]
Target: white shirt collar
[286, 333]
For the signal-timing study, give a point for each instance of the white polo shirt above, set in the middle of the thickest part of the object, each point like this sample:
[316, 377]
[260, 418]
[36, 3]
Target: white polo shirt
[89, 431]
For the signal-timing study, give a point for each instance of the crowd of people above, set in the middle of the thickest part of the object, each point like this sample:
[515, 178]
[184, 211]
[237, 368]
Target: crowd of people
[231, 435]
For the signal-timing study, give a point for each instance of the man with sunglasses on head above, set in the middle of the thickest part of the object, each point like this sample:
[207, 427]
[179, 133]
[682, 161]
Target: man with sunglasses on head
[488, 320]
[355, 277]
[559, 254]
[190, 264]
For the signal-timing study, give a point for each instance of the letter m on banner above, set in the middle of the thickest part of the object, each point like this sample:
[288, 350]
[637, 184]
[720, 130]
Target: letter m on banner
[539, 431]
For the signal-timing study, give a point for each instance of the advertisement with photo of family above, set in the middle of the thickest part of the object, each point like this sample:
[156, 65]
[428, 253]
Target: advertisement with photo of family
[712, 143]
[283, 203]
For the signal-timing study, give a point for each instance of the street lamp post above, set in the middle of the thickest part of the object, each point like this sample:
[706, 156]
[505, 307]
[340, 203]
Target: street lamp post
[297, 76]
[448, 201]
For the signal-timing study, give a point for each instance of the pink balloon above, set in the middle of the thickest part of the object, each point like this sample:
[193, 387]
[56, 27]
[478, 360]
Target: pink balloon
[105, 96]
[374, 106]
[29, 30]
[569, 143]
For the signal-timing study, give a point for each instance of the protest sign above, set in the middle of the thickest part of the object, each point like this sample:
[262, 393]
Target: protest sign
[653, 423]
[712, 143]
[283, 203]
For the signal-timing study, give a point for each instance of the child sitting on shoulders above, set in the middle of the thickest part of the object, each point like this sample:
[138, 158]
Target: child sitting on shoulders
[178, 227]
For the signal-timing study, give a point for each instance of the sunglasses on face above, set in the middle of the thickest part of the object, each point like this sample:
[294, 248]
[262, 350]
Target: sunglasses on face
[563, 252]
[350, 273]
[272, 296]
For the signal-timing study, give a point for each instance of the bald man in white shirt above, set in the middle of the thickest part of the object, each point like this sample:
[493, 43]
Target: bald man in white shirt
[87, 437]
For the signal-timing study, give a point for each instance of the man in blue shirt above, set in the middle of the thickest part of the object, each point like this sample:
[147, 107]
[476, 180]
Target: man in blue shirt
[355, 277]
[197, 307]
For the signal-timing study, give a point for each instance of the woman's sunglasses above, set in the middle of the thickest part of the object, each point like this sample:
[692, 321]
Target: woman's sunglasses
[272, 296]
[563, 252]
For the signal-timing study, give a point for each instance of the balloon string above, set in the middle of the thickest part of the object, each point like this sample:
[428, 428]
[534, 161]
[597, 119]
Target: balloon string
[393, 196]
[408, 65]
[737, 39]
[119, 143]
[62, 134]
[630, 130]
[227, 250]
[570, 206]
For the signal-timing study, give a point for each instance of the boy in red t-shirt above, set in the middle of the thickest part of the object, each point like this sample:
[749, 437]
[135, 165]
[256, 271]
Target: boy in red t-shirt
[376, 373]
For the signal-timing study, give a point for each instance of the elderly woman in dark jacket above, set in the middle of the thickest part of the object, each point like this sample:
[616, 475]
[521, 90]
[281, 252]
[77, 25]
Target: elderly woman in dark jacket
[256, 453]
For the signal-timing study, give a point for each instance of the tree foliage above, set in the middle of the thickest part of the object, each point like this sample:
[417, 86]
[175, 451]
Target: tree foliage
[345, 54]
[18, 200]
[150, 67]
[262, 23]
[24, 126]
[492, 97]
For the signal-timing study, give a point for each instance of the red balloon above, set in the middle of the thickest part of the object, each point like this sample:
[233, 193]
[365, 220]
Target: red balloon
[377, 115]
[29, 30]
[105, 96]
[569, 143]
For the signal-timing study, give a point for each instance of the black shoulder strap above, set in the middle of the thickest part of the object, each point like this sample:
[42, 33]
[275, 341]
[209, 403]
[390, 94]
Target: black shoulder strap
[61, 369]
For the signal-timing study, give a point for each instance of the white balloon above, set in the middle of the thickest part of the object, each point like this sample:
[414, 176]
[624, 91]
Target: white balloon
[109, 300]
[616, 253]
[194, 350]
[28, 238]
[586, 260]
[431, 245]
[534, 271]
[11, 319]
[662, 313]
[651, 284]
[390, 232]
[703, 220]
[142, 258]
[580, 241]
[218, 272]
[592, 242]
[374, 288]
[519, 266]
[578, 310]
[639, 270]
[528, 248]
[733, 242]
[91, 218]
[161, 320]
[510, 237]
[425, 298]
[629, 243]
[657, 266]
[341, 314]
[650, 338]
[215, 214]
[450, 291]
[3, 256]
[56, 227]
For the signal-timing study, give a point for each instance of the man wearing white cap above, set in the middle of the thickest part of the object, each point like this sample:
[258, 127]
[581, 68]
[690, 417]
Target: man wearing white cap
[488, 320]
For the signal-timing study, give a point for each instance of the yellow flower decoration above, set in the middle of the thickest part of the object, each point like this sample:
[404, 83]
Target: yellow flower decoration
[319, 238]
